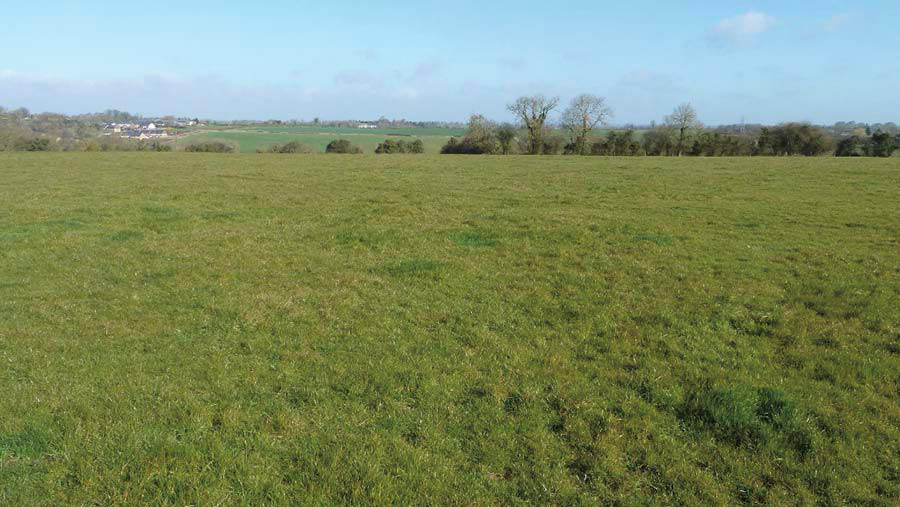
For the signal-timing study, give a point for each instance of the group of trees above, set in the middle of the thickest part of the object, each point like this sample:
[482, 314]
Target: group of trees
[390, 146]
[342, 146]
[291, 147]
[681, 134]
[582, 128]
[879, 144]
[210, 147]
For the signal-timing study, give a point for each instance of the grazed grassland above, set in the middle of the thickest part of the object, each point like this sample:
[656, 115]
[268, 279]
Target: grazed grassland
[250, 139]
[180, 329]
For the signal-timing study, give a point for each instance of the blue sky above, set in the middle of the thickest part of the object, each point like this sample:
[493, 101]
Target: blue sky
[764, 61]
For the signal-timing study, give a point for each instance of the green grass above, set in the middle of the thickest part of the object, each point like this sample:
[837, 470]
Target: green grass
[250, 139]
[196, 329]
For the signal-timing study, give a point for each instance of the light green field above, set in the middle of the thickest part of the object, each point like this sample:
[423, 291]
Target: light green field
[192, 329]
[250, 139]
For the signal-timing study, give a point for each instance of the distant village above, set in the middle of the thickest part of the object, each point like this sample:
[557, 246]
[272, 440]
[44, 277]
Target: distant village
[146, 129]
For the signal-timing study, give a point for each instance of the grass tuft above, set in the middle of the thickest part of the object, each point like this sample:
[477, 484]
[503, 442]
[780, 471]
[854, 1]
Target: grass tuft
[409, 268]
[474, 239]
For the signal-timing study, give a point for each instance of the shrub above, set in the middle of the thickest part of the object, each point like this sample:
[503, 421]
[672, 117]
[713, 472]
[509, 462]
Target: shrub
[853, 146]
[416, 146]
[342, 146]
[793, 139]
[717, 144]
[658, 142]
[291, 147]
[479, 139]
[617, 144]
[506, 134]
[390, 146]
[31, 144]
[552, 144]
[211, 147]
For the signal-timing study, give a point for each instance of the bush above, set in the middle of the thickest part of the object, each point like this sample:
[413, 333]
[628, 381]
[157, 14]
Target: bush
[416, 146]
[617, 144]
[467, 146]
[793, 139]
[881, 144]
[716, 144]
[390, 146]
[659, 142]
[342, 146]
[31, 144]
[552, 144]
[212, 147]
[853, 146]
[479, 139]
[506, 134]
[291, 147]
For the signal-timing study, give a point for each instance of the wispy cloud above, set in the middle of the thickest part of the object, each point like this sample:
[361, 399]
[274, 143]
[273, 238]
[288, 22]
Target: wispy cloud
[358, 78]
[425, 69]
[836, 22]
[646, 80]
[740, 30]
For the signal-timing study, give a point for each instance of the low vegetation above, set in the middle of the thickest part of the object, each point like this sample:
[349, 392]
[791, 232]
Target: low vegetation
[291, 147]
[342, 146]
[211, 147]
[202, 329]
[390, 146]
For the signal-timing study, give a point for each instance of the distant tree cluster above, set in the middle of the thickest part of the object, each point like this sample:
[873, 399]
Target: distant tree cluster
[120, 144]
[342, 146]
[582, 128]
[291, 147]
[210, 147]
[390, 146]
[680, 134]
[879, 144]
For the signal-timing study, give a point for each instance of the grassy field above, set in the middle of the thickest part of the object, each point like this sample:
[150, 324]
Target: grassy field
[250, 139]
[187, 329]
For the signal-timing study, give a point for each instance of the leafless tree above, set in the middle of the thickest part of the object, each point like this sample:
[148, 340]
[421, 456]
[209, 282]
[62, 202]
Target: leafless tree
[533, 112]
[584, 113]
[682, 119]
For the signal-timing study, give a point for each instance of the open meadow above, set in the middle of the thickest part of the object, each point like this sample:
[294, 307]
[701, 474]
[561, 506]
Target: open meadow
[251, 139]
[196, 329]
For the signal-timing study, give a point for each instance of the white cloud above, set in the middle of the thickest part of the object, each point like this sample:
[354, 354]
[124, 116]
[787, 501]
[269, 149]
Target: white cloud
[741, 30]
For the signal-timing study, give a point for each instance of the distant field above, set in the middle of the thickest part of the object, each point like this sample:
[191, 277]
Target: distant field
[249, 139]
[191, 329]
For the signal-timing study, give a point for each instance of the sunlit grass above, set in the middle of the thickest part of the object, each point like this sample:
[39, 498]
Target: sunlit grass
[191, 329]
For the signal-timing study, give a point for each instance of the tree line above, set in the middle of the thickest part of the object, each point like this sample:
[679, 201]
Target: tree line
[581, 129]
[578, 132]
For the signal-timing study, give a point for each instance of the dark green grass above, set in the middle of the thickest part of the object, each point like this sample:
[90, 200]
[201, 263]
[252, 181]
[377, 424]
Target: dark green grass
[193, 329]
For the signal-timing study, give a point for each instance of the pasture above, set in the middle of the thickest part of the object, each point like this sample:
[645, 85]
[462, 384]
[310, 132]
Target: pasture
[251, 139]
[193, 329]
